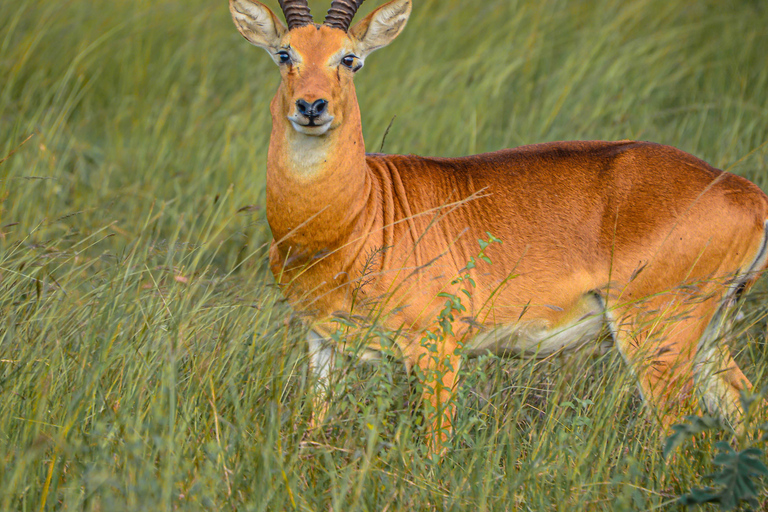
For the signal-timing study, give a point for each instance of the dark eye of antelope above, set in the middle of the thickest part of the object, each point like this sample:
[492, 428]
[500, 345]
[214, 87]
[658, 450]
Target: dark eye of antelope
[284, 57]
[350, 61]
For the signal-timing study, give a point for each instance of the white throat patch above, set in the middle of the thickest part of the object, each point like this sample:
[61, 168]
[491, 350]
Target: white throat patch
[307, 154]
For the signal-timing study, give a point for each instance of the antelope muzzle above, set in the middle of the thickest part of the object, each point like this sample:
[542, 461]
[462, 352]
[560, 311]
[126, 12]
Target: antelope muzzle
[311, 118]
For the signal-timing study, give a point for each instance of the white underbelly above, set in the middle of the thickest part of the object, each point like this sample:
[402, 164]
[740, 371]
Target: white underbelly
[533, 339]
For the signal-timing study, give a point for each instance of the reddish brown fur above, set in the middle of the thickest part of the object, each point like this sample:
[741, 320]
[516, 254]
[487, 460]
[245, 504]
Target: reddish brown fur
[654, 231]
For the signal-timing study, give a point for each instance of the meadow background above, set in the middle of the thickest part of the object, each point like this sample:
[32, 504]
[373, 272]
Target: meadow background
[147, 361]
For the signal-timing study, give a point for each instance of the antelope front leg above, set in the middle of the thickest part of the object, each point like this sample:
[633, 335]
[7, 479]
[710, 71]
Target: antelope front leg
[437, 367]
[321, 357]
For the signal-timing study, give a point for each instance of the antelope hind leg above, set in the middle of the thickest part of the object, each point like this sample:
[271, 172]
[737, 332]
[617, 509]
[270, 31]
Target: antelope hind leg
[720, 381]
[718, 377]
[659, 343]
[675, 351]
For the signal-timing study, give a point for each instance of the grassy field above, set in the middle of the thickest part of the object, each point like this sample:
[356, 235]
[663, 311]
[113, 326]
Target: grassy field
[147, 361]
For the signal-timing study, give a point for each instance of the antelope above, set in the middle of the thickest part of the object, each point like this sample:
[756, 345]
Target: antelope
[642, 238]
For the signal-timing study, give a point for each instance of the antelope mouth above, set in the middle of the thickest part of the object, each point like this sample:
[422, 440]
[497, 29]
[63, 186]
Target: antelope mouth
[311, 126]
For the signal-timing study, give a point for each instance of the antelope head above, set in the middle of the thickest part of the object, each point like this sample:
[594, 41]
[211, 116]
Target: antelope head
[318, 62]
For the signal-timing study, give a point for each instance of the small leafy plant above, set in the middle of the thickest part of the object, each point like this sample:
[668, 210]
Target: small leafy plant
[739, 478]
[434, 338]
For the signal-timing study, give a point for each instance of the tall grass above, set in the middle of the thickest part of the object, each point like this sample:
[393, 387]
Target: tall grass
[146, 360]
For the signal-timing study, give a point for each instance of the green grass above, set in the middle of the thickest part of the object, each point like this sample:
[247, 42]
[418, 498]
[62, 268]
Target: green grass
[147, 361]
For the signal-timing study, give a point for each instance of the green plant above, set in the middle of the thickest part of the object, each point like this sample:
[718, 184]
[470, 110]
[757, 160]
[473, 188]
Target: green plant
[739, 478]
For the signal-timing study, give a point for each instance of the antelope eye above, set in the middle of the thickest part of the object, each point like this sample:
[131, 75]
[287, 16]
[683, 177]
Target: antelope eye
[349, 61]
[283, 57]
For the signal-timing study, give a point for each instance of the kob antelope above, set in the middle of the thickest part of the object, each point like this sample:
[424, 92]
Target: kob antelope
[645, 238]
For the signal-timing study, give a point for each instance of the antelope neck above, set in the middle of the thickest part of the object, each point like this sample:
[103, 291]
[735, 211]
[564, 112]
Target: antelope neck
[317, 186]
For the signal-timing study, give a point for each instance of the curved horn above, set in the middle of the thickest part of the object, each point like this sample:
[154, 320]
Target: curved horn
[341, 13]
[296, 13]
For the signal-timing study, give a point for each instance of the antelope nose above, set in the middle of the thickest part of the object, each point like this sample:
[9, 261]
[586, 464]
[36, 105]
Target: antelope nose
[316, 109]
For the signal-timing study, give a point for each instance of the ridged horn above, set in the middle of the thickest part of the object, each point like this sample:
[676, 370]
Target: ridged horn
[296, 13]
[341, 13]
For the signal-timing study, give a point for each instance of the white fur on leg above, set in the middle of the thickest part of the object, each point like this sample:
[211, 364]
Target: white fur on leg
[321, 356]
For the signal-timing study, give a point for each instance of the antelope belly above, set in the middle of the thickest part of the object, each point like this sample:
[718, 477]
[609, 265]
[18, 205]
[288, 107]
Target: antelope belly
[529, 339]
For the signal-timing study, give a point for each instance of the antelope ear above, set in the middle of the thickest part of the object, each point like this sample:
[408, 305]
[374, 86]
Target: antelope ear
[381, 27]
[257, 23]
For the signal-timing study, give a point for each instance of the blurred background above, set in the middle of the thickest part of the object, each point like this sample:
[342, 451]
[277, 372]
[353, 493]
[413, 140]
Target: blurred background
[146, 360]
